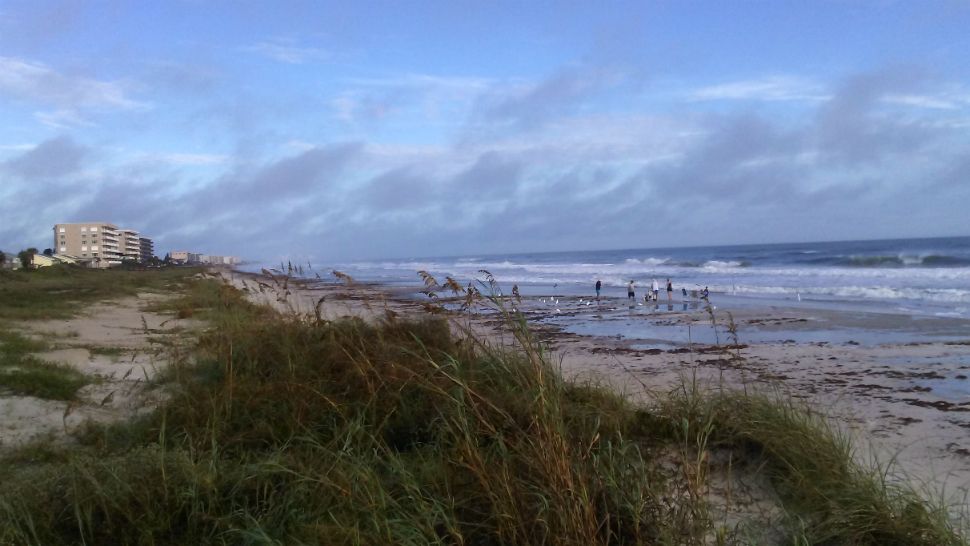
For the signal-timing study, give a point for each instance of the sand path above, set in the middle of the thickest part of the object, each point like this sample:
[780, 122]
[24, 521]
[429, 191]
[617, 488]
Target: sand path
[119, 344]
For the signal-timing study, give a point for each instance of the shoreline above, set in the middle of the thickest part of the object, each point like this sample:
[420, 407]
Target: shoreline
[901, 402]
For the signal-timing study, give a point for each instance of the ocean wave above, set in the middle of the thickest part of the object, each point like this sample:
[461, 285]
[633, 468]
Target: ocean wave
[878, 261]
[714, 264]
[647, 261]
[940, 295]
[891, 261]
[710, 272]
[934, 260]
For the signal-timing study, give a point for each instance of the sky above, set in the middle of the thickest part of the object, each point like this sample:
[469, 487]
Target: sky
[333, 131]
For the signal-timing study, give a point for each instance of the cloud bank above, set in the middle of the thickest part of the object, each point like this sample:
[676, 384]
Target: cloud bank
[356, 143]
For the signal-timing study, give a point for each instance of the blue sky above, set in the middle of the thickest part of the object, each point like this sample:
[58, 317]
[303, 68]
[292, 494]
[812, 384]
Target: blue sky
[365, 130]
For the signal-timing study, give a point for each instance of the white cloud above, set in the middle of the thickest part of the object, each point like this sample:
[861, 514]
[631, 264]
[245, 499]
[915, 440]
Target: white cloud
[771, 88]
[16, 147]
[32, 81]
[286, 51]
[458, 83]
[62, 119]
[184, 158]
[923, 101]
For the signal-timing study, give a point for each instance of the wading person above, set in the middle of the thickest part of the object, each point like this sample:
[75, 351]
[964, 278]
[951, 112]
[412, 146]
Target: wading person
[599, 285]
[656, 290]
[670, 290]
[629, 291]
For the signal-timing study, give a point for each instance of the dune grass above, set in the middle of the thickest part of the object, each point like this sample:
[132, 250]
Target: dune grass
[61, 291]
[21, 373]
[286, 430]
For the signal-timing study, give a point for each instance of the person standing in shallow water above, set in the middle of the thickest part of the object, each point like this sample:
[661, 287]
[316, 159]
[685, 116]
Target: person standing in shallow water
[670, 290]
[629, 291]
[656, 290]
[599, 285]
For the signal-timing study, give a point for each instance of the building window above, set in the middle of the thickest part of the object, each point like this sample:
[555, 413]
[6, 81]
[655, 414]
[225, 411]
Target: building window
[85, 255]
[63, 249]
[61, 230]
[84, 248]
[84, 229]
[94, 229]
[94, 247]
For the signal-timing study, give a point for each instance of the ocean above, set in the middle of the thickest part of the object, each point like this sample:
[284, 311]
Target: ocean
[929, 277]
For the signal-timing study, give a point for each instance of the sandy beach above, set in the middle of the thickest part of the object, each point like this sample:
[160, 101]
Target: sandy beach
[902, 401]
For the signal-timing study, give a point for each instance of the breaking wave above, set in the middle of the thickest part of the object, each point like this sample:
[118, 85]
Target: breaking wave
[940, 295]
[888, 261]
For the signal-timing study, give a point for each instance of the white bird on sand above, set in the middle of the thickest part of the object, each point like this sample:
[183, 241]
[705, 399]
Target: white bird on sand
[589, 303]
[558, 311]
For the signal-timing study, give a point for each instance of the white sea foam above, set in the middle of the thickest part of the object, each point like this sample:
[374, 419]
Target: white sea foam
[652, 262]
[717, 264]
[945, 295]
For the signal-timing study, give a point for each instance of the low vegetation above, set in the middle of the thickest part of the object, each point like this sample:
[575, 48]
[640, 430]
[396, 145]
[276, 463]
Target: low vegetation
[280, 429]
[61, 291]
[22, 373]
[54, 293]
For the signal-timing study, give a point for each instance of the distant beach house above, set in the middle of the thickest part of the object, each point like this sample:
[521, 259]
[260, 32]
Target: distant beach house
[101, 244]
[192, 258]
[40, 260]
